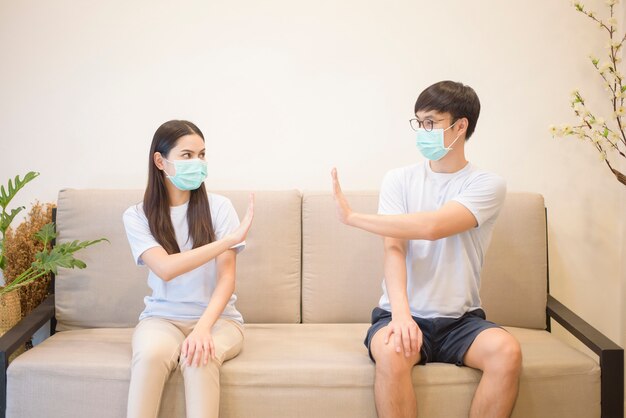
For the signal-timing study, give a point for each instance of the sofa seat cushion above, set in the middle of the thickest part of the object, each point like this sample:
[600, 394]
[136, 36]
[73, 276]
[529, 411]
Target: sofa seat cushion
[285, 370]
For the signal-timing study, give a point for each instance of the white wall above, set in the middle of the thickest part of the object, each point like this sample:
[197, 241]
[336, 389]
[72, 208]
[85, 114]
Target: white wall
[284, 90]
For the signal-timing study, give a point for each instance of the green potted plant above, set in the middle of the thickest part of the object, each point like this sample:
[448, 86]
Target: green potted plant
[606, 135]
[20, 248]
[48, 260]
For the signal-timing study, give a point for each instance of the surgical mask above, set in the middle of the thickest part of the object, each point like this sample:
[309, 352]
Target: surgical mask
[189, 173]
[431, 145]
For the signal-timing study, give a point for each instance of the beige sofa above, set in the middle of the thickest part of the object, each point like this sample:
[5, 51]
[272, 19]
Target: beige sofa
[306, 286]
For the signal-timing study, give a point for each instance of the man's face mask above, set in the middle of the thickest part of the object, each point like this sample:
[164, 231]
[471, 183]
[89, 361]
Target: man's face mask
[431, 145]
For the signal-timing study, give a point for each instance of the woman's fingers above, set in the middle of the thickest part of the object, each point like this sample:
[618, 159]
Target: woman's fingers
[191, 350]
[212, 347]
[206, 353]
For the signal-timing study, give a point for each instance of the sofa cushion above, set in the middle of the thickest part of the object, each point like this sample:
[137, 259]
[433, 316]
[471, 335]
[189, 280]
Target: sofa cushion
[110, 291]
[268, 271]
[306, 370]
[514, 288]
[342, 267]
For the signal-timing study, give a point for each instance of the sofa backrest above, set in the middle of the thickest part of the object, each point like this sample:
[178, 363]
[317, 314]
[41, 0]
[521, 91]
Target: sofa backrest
[514, 287]
[110, 291]
[300, 264]
[342, 268]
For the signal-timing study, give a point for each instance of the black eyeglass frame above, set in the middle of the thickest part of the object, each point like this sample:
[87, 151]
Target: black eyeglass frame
[428, 124]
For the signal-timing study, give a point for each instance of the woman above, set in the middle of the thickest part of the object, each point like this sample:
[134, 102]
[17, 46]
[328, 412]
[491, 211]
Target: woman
[189, 241]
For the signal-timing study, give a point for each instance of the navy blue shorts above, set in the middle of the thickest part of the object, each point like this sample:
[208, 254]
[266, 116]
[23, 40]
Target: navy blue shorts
[445, 340]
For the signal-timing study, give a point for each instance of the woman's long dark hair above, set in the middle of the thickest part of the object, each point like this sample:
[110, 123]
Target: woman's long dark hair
[156, 203]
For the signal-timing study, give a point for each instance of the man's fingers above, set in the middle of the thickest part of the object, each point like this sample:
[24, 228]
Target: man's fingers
[397, 339]
[413, 338]
[336, 186]
[420, 339]
[388, 332]
[406, 341]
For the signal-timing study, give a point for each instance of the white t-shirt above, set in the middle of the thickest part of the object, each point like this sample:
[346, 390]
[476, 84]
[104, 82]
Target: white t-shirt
[443, 276]
[186, 296]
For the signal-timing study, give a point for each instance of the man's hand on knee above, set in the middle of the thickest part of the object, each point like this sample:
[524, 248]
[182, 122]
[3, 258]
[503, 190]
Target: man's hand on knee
[407, 336]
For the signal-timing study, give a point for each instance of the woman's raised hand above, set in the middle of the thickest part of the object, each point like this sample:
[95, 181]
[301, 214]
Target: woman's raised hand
[239, 234]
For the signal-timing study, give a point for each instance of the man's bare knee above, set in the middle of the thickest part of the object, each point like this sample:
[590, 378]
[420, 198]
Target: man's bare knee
[390, 363]
[504, 356]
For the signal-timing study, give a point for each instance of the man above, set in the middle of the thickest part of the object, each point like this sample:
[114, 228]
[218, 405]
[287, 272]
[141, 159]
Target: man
[437, 219]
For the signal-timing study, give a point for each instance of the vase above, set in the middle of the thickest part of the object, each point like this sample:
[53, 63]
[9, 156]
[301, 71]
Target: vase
[10, 314]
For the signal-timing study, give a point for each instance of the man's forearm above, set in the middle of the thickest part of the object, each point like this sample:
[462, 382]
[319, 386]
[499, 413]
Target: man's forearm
[411, 226]
[395, 281]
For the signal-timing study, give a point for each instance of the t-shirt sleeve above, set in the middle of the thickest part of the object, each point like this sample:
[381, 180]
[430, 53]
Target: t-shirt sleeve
[226, 221]
[391, 200]
[138, 233]
[484, 197]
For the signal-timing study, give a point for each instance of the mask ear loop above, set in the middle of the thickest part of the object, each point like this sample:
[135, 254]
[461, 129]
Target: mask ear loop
[449, 147]
[169, 162]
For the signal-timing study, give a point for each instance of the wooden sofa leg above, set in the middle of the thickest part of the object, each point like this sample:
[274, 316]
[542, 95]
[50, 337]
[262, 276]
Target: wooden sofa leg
[612, 379]
[4, 359]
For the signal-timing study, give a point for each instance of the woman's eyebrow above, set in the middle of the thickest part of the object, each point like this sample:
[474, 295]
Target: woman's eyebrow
[192, 151]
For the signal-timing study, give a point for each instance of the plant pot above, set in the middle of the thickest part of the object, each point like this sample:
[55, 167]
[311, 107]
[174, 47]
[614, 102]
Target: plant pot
[10, 314]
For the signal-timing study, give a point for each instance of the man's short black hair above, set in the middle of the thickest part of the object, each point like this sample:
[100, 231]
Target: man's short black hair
[457, 99]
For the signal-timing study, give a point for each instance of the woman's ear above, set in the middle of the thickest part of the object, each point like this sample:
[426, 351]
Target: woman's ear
[158, 161]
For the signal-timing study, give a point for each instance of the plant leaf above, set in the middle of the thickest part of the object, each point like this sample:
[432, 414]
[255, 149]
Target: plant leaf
[46, 233]
[7, 218]
[14, 187]
[62, 255]
[49, 262]
[72, 247]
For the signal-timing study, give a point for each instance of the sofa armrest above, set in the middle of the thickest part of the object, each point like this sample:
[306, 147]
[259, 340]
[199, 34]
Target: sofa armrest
[611, 356]
[17, 336]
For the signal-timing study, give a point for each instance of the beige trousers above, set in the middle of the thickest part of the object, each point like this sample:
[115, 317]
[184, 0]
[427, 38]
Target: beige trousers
[156, 353]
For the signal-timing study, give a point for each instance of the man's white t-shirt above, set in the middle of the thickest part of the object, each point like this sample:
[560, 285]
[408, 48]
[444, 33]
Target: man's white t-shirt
[443, 276]
[185, 297]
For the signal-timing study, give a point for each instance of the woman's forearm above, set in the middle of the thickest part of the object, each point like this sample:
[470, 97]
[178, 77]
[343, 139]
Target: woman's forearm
[221, 295]
[169, 266]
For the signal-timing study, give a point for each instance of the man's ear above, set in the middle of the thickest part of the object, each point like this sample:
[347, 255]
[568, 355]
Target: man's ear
[463, 125]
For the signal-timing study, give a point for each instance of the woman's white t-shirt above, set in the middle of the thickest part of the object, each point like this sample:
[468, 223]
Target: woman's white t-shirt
[185, 297]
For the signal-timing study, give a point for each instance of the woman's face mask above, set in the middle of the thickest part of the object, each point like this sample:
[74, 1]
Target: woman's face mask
[190, 174]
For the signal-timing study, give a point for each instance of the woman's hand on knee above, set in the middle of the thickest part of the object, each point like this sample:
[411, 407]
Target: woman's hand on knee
[198, 348]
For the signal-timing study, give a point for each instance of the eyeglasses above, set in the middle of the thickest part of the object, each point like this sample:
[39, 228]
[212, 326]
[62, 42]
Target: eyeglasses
[427, 124]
